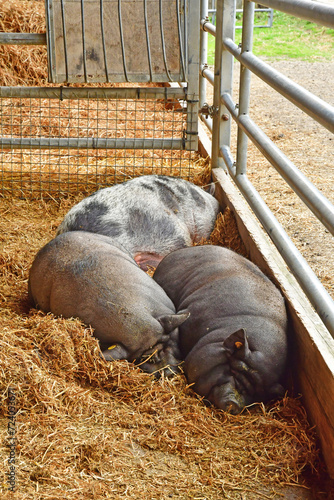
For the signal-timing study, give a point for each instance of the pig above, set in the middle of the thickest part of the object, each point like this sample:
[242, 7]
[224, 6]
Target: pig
[149, 215]
[88, 276]
[234, 343]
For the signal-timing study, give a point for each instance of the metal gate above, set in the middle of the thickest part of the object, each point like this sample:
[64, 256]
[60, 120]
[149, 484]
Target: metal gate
[224, 110]
[106, 121]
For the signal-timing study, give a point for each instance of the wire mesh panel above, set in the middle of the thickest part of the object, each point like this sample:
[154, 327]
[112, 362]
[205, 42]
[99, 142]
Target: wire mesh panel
[75, 138]
[80, 144]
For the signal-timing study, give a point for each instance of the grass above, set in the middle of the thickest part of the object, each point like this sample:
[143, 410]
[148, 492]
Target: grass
[289, 37]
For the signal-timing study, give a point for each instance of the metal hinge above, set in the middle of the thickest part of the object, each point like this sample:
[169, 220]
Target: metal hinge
[207, 110]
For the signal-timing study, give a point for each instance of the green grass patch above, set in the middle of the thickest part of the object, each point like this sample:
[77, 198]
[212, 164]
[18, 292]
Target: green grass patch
[289, 37]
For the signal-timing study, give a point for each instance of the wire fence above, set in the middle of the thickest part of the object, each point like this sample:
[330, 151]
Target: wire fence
[97, 142]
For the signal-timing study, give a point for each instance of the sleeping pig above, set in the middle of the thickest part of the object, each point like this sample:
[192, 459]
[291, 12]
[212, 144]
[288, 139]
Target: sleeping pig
[235, 339]
[150, 216]
[85, 275]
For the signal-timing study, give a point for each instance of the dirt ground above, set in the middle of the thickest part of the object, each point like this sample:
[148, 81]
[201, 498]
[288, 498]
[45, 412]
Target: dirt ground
[308, 145]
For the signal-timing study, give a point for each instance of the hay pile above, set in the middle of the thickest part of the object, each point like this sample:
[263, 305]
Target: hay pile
[86, 428]
[22, 65]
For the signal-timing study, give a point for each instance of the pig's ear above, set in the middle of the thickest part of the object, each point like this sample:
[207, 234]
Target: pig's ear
[172, 321]
[237, 344]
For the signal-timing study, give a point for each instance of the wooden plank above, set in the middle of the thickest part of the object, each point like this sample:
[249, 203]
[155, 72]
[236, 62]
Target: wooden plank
[312, 347]
[134, 38]
[312, 356]
[204, 143]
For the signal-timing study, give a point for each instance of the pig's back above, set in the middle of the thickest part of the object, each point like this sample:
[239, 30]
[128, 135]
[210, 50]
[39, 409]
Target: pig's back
[149, 213]
[222, 290]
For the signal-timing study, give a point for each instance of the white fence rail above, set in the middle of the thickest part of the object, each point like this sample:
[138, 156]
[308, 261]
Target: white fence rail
[224, 109]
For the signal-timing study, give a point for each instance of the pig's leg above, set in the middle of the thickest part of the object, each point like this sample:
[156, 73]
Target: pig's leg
[163, 360]
[115, 352]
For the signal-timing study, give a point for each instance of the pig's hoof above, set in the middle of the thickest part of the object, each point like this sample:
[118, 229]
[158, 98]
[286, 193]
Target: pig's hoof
[170, 371]
[147, 260]
[115, 352]
[160, 368]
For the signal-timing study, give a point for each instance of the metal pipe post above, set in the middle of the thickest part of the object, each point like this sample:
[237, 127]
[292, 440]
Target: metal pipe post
[245, 79]
[221, 124]
[203, 54]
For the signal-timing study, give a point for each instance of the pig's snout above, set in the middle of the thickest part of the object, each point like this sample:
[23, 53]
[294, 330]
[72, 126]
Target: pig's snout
[227, 398]
[164, 360]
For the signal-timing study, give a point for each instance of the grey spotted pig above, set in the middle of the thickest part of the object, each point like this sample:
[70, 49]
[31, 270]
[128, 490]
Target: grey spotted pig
[150, 216]
[85, 275]
[235, 340]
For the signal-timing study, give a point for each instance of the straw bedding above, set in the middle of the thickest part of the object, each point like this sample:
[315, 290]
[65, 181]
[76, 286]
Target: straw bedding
[22, 65]
[86, 428]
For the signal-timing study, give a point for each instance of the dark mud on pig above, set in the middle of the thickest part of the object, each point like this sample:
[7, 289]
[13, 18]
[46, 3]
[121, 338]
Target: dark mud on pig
[235, 339]
[87, 276]
[150, 216]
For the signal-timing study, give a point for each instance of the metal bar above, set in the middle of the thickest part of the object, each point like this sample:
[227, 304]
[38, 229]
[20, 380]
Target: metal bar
[122, 39]
[203, 54]
[209, 75]
[244, 90]
[83, 40]
[64, 38]
[93, 92]
[318, 296]
[215, 160]
[207, 122]
[184, 79]
[148, 41]
[49, 44]
[209, 27]
[256, 10]
[104, 42]
[185, 17]
[22, 38]
[163, 42]
[228, 159]
[89, 143]
[191, 143]
[227, 68]
[316, 12]
[315, 107]
[270, 18]
[307, 192]
[223, 80]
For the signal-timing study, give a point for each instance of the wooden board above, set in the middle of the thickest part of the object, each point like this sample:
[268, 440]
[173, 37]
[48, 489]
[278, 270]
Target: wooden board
[312, 347]
[135, 46]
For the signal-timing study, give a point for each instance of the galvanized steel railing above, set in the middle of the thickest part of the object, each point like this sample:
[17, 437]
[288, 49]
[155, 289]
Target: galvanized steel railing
[220, 125]
[67, 93]
[186, 39]
[270, 12]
